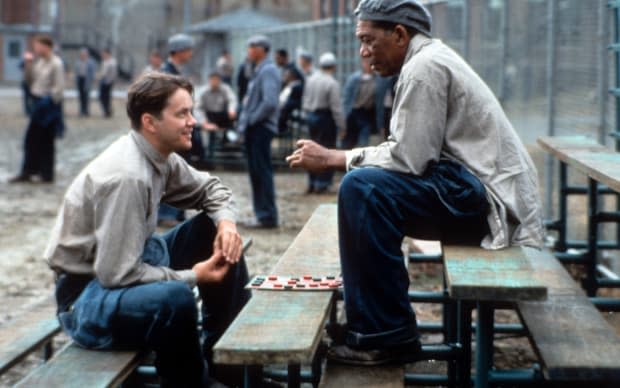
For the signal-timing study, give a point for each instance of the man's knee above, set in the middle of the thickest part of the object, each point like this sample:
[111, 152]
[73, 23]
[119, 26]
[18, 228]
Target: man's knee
[177, 300]
[356, 184]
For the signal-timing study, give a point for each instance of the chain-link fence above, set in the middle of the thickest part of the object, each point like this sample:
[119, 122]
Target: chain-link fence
[546, 60]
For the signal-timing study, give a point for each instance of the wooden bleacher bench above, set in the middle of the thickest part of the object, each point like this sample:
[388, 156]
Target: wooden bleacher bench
[78, 367]
[587, 156]
[340, 376]
[27, 333]
[287, 327]
[572, 339]
[71, 366]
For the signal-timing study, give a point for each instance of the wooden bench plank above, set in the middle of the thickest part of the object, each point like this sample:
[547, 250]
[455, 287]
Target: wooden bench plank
[569, 334]
[26, 333]
[587, 156]
[277, 327]
[77, 367]
[339, 376]
[473, 273]
[562, 146]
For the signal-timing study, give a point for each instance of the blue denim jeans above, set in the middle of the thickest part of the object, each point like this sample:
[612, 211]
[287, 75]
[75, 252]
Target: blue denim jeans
[376, 210]
[161, 316]
[323, 130]
[258, 148]
[166, 212]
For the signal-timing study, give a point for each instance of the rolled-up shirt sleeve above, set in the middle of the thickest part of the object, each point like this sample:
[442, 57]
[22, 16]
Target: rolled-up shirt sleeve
[188, 188]
[417, 131]
[119, 217]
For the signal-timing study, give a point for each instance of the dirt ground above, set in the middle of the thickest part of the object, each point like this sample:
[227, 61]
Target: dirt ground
[27, 213]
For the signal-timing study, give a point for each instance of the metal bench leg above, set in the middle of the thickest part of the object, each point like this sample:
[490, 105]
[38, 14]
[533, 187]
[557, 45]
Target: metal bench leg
[294, 376]
[450, 338]
[252, 376]
[560, 244]
[48, 350]
[484, 344]
[590, 281]
[464, 335]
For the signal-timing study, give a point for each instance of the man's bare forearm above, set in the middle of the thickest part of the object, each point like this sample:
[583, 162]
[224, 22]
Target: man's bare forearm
[336, 160]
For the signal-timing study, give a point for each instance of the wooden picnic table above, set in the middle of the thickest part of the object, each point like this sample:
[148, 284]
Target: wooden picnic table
[483, 279]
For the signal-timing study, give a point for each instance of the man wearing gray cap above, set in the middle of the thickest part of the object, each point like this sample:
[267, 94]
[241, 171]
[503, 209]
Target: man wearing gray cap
[323, 110]
[181, 50]
[453, 169]
[259, 123]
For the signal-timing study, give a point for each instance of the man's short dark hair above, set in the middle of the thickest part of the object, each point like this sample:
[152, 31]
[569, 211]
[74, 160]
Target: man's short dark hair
[391, 26]
[150, 94]
[214, 74]
[282, 52]
[45, 40]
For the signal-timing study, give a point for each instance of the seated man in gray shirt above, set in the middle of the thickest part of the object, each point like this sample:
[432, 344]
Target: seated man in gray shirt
[453, 169]
[121, 285]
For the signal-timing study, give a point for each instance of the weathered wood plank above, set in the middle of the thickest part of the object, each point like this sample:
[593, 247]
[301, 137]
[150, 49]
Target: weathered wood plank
[77, 367]
[339, 376]
[26, 333]
[587, 156]
[562, 146]
[281, 327]
[569, 334]
[473, 273]
[572, 339]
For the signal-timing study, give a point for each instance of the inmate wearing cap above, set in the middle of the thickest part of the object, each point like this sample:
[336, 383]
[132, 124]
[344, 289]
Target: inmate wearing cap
[327, 60]
[259, 41]
[410, 13]
[180, 42]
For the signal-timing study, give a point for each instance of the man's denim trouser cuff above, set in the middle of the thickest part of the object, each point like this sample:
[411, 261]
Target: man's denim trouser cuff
[386, 339]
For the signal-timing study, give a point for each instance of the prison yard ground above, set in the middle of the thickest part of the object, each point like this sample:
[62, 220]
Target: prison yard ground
[27, 213]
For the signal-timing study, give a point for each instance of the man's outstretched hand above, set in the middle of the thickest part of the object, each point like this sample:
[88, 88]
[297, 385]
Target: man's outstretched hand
[212, 270]
[316, 158]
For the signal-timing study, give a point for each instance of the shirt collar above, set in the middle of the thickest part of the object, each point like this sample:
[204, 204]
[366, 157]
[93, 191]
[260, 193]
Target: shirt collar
[159, 161]
[416, 44]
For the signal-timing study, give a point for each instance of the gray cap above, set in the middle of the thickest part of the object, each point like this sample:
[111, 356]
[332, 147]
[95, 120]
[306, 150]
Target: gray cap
[305, 55]
[259, 41]
[410, 13]
[180, 42]
[327, 60]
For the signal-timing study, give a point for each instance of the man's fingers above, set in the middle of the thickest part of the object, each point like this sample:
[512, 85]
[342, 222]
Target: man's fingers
[217, 244]
[236, 252]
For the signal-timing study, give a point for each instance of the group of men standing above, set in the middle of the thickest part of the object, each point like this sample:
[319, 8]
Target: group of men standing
[85, 73]
[334, 116]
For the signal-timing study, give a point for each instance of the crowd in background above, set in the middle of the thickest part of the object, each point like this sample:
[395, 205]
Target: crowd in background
[261, 99]
[309, 97]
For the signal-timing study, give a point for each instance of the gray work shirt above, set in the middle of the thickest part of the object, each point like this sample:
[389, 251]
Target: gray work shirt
[109, 71]
[46, 77]
[322, 91]
[442, 109]
[110, 210]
